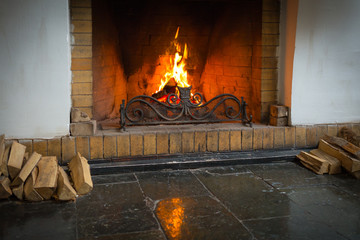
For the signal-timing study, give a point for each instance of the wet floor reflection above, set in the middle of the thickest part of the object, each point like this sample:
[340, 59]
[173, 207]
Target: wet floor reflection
[198, 217]
[172, 215]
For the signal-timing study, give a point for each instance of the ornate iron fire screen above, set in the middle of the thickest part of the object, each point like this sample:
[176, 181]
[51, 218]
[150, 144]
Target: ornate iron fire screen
[146, 110]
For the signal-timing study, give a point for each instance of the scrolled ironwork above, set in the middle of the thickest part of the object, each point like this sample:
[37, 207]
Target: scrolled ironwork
[146, 110]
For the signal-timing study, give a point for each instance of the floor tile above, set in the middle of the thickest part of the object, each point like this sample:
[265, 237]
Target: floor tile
[332, 206]
[40, 220]
[113, 178]
[287, 175]
[246, 195]
[299, 225]
[198, 218]
[228, 170]
[113, 209]
[170, 184]
[144, 235]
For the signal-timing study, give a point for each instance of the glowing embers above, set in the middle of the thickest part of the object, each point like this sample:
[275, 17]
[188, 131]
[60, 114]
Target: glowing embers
[171, 214]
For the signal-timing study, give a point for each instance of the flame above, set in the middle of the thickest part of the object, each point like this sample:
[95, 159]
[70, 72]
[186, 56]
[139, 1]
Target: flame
[176, 68]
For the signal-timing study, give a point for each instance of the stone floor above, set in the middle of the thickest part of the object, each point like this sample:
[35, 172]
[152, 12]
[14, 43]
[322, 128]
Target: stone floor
[267, 201]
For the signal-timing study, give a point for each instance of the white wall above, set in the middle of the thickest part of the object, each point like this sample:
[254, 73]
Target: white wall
[34, 68]
[326, 71]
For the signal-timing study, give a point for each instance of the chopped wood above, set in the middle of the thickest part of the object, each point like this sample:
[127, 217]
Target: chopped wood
[349, 135]
[356, 174]
[26, 170]
[46, 181]
[281, 121]
[334, 163]
[16, 159]
[2, 149]
[278, 111]
[5, 190]
[347, 162]
[26, 157]
[80, 174]
[29, 191]
[65, 191]
[4, 161]
[18, 191]
[314, 163]
[345, 145]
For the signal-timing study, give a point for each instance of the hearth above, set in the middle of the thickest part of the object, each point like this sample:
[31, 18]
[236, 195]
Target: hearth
[214, 56]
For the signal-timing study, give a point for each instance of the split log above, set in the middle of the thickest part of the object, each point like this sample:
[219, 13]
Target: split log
[46, 181]
[26, 157]
[343, 144]
[334, 163]
[347, 162]
[282, 121]
[65, 191]
[2, 149]
[356, 174]
[278, 111]
[4, 162]
[16, 159]
[26, 170]
[29, 191]
[18, 191]
[5, 190]
[349, 135]
[80, 174]
[317, 165]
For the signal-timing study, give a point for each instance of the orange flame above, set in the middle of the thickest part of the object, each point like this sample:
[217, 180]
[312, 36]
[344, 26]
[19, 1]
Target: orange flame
[176, 69]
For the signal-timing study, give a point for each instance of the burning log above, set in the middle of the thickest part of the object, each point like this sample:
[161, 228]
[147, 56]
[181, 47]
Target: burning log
[169, 88]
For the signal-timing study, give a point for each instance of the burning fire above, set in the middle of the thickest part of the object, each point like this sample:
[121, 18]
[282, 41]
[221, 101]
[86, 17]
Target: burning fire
[176, 69]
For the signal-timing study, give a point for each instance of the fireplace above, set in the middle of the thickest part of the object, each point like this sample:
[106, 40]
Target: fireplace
[133, 47]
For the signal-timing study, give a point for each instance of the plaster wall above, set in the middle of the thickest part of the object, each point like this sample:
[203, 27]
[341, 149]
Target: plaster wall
[35, 68]
[326, 72]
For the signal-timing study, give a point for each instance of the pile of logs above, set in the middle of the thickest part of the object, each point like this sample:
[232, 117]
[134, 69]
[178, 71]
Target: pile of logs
[36, 178]
[332, 155]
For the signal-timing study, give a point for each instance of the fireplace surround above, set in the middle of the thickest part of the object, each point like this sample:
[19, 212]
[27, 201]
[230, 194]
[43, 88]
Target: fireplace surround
[110, 62]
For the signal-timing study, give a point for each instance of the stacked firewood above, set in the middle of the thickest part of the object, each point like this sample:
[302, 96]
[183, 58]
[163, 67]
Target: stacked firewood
[36, 178]
[334, 154]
